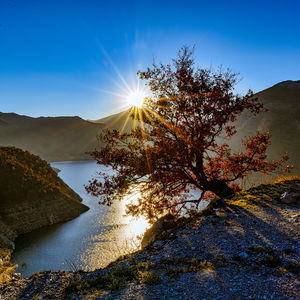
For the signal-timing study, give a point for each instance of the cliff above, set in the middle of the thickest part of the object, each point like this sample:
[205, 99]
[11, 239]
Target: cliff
[31, 196]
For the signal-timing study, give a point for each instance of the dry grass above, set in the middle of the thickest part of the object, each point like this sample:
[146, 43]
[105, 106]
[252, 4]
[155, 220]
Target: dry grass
[287, 178]
[263, 194]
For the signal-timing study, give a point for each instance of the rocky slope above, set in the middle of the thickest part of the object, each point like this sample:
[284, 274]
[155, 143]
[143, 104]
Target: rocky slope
[31, 195]
[248, 249]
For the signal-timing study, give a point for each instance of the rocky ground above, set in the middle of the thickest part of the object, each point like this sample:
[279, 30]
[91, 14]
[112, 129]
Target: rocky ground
[248, 249]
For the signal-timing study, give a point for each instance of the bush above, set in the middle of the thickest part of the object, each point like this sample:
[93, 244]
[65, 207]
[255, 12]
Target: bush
[148, 277]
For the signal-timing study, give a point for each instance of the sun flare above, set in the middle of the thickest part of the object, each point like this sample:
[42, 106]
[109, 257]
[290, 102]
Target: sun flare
[136, 226]
[136, 98]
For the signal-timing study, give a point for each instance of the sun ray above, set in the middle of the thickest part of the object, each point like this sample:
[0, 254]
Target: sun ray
[148, 116]
[115, 68]
[127, 119]
[119, 117]
[135, 117]
[167, 124]
[145, 139]
[111, 93]
[136, 97]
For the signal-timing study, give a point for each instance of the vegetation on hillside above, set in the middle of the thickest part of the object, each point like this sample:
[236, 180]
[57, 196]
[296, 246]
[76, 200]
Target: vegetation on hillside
[23, 174]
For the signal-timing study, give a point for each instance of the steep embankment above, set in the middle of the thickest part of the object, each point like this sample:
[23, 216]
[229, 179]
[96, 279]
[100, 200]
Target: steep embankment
[247, 249]
[53, 139]
[31, 195]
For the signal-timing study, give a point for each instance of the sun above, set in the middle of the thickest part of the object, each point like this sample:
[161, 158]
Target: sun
[136, 98]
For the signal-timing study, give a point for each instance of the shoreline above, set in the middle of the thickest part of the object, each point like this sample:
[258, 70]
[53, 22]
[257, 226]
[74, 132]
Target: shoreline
[198, 258]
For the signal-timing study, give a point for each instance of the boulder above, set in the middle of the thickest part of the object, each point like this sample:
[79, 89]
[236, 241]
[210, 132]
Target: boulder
[290, 197]
[155, 232]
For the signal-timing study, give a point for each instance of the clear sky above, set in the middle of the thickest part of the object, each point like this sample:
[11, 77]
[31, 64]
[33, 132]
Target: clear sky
[68, 57]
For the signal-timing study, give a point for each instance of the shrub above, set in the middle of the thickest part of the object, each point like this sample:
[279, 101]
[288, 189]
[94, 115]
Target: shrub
[148, 277]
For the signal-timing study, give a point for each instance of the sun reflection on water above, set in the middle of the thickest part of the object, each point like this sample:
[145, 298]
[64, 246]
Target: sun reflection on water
[122, 234]
[137, 225]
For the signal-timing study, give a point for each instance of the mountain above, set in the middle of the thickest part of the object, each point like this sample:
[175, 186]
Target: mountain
[32, 195]
[69, 138]
[282, 120]
[52, 138]
[2, 123]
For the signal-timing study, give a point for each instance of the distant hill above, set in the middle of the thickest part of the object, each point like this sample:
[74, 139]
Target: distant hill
[117, 121]
[2, 123]
[69, 138]
[52, 138]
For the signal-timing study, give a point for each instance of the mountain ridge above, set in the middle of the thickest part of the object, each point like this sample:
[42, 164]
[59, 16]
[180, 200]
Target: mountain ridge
[52, 138]
[71, 137]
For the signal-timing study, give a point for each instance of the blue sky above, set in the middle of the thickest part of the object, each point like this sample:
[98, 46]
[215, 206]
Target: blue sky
[67, 57]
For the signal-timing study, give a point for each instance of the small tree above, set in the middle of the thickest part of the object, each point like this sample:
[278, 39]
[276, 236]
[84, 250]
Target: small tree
[175, 149]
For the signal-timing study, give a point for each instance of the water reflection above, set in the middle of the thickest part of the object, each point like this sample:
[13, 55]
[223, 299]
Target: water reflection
[92, 240]
[137, 226]
[123, 237]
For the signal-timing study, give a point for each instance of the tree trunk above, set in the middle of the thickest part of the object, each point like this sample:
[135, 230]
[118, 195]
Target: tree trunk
[220, 188]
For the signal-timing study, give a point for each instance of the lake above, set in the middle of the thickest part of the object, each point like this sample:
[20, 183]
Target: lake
[92, 240]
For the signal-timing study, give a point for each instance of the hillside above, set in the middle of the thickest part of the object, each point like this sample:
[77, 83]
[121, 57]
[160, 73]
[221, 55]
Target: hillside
[117, 121]
[31, 196]
[247, 249]
[282, 120]
[2, 123]
[52, 138]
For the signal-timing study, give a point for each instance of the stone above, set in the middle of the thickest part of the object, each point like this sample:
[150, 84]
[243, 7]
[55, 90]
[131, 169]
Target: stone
[153, 233]
[290, 197]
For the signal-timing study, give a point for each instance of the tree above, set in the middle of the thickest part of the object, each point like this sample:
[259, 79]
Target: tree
[180, 144]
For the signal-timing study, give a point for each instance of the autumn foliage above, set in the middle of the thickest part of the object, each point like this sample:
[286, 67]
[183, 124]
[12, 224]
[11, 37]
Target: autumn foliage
[180, 143]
